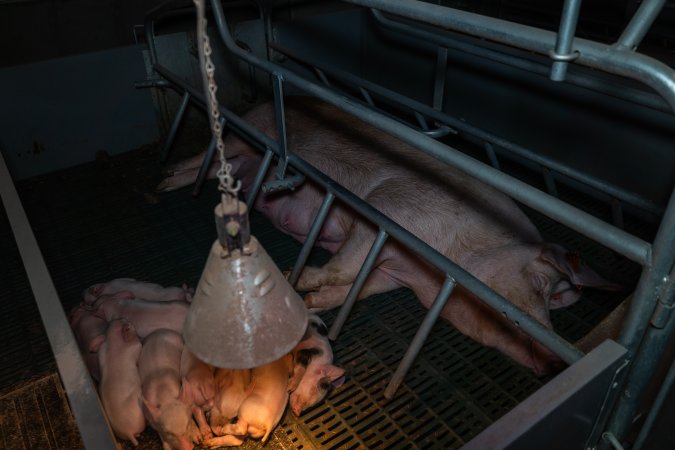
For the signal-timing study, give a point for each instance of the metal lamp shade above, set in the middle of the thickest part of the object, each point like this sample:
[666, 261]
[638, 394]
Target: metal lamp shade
[244, 313]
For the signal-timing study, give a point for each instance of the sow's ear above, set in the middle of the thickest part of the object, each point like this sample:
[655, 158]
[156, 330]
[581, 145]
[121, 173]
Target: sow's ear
[567, 290]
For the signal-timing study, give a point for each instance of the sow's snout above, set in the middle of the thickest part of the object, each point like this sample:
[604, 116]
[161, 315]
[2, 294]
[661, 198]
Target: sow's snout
[544, 361]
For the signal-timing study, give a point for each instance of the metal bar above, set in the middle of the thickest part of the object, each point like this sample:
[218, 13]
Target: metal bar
[550, 182]
[259, 178]
[656, 408]
[537, 331]
[492, 156]
[439, 80]
[639, 25]
[562, 53]
[278, 86]
[312, 235]
[609, 437]
[582, 80]
[515, 149]
[174, 127]
[645, 342]
[632, 247]
[321, 75]
[420, 337]
[206, 162]
[617, 212]
[91, 421]
[610, 59]
[366, 96]
[359, 281]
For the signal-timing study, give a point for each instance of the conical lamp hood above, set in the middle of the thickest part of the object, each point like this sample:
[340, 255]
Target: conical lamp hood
[244, 312]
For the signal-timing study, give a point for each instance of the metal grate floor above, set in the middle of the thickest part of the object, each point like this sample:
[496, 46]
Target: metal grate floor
[102, 220]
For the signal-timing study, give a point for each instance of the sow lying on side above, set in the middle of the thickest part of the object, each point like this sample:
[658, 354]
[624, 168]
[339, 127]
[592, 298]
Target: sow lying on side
[473, 224]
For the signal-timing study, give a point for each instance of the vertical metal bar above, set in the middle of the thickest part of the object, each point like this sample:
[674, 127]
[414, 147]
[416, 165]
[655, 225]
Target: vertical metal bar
[550, 181]
[617, 212]
[656, 408]
[492, 156]
[174, 127]
[645, 343]
[439, 81]
[278, 87]
[422, 121]
[366, 96]
[420, 337]
[358, 284]
[322, 76]
[639, 25]
[561, 55]
[81, 392]
[313, 234]
[206, 162]
[259, 178]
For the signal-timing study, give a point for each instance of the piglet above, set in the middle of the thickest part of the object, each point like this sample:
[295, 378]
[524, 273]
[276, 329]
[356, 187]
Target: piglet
[261, 411]
[163, 405]
[314, 375]
[199, 388]
[232, 387]
[140, 289]
[147, 316]
[120, 388]
[87, 327]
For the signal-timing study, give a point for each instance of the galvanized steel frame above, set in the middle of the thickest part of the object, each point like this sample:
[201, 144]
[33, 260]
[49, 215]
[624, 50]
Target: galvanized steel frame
[657, 259]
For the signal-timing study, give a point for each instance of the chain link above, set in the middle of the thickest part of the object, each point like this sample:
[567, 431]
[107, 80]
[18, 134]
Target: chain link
[226, 183]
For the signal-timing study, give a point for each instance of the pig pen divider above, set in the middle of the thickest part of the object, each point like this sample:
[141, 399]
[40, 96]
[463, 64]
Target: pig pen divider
[636, 249]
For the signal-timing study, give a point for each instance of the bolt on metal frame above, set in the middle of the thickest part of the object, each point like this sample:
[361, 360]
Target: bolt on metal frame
[656, 259]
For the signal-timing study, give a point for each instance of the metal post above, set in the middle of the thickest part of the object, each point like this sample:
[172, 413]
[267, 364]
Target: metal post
[617, 212]
[492, 156]
[646, 342]
[639, 25]
[420, 337]
[562, 54]
[656, 408]
[174, 127]
[439, 80]
[80, 389]
[312, 235]
[550, 181]
[358, 284]
[280, 114]
[206, 162]
[259, 178]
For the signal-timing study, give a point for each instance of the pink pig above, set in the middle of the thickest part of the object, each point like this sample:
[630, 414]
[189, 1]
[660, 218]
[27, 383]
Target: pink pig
[232, 387]
[199, 388]
[139, 289]
[314, 374]
[120, 388]
[262, 409]
[471, 223]
[147, 316]
[163, 404]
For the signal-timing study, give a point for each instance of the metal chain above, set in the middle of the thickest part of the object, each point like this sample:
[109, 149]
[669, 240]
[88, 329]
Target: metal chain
[226, 180]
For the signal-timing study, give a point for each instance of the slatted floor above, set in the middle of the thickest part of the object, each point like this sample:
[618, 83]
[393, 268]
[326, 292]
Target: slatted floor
[102, 220]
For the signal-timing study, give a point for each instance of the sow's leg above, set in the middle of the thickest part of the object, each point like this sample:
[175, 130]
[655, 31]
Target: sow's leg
[331, 283]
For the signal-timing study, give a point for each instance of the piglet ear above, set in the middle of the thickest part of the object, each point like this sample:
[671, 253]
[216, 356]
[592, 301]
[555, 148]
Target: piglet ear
[578, 273]
[96, 343]
[335, 374]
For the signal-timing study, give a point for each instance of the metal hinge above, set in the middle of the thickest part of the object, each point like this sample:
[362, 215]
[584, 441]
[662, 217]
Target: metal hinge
[665, 303]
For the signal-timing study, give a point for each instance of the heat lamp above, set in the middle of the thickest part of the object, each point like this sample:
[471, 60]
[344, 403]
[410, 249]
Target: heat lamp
[244, 313]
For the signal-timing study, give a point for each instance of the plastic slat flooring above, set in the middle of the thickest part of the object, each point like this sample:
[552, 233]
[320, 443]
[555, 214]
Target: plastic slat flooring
[100, 221]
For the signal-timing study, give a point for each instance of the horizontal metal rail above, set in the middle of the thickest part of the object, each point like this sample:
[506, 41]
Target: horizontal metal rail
[461, 43]
[84, 402]
[601, 186]
[539, 332]
[611, 59]
[612, 237]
